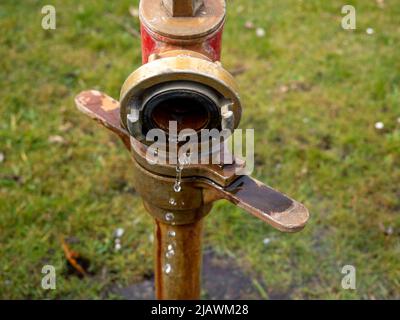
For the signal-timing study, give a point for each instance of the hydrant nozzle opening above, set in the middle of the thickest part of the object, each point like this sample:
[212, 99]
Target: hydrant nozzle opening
[194, 93]
[190, 105]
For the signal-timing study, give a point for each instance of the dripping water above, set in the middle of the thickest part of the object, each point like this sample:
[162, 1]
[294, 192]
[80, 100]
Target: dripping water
[167, 268]
[171, 234]
[170, 247]
[179, 168]
[178, 179]
[170, 251]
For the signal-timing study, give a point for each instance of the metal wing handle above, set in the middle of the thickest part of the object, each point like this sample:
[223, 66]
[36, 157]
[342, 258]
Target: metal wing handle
[265, 203]
[103, 109]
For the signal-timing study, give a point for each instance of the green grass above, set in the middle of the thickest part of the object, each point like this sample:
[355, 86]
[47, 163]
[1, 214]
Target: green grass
[316, 142]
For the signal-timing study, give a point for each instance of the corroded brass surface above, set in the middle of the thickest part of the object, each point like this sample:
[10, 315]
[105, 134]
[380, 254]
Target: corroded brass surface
[207, 19]
[180, 68]
[158, 191]
[223, 175]
[180, 53]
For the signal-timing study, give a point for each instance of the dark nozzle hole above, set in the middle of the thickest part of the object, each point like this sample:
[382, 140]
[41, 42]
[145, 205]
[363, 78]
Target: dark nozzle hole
[190, 110]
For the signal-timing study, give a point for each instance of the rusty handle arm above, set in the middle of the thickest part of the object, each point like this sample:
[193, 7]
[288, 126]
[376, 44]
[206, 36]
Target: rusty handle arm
[265, 203]
[104, 110]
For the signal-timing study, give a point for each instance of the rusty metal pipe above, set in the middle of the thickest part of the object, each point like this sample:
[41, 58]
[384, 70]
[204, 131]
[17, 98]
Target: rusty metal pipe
[178, 257]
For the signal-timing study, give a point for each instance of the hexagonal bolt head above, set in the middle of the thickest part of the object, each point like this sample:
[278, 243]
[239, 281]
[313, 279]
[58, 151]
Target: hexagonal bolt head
[183, 8]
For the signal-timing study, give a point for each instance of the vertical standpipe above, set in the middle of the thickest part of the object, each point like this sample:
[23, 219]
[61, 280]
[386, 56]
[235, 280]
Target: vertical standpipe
[170, 26]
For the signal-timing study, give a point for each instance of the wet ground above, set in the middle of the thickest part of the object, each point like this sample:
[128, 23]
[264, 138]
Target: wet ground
[222, 280]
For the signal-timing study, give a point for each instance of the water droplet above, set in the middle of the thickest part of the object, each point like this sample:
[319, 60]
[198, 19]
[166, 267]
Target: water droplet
[172, 202]
[171, 234]
[178, 180]
[169, 216]
[177, 187]
[167, 268]
[170, 247]
[170, 254]
[184, 160]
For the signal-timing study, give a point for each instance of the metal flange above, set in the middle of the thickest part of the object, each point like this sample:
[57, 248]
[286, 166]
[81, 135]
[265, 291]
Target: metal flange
[206, 78]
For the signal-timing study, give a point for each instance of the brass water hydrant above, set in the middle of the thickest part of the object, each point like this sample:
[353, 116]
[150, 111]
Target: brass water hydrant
[182, 82]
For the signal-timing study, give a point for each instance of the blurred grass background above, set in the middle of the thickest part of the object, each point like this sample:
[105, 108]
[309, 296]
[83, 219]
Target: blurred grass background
[313, 93]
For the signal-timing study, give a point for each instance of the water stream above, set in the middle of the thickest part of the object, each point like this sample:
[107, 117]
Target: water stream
[169, 216]
[170, 246]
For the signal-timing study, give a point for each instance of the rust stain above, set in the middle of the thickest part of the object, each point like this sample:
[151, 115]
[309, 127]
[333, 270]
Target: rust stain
[109, 104]
[158, 261]
[104, 110]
